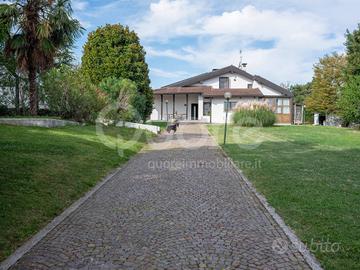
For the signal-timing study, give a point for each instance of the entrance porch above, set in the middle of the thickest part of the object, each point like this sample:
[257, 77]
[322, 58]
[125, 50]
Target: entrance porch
[185, 107]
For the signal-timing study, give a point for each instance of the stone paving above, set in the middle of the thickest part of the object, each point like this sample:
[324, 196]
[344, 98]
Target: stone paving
[177, 205]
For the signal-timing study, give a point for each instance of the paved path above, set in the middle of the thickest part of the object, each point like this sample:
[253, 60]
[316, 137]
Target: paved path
[177, 205]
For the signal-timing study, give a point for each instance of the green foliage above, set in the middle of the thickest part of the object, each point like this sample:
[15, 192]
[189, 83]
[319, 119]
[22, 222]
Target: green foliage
[118, 89]
[353, 51]
[126, 104]
[71, 95]
[328, 80]
[47, 26]
[300, 92]
[349, 102]
[257, 117]
[115, 51]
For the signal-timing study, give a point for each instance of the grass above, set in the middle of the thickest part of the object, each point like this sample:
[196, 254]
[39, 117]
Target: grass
[311, 175]
[161, 124]
[42, 171]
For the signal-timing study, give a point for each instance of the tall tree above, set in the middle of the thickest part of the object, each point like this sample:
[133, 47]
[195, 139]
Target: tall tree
[35, 31]
[349, 102]
[327, 83]
[115, 51]
[352, 44]
[9, 75]
[300, 92]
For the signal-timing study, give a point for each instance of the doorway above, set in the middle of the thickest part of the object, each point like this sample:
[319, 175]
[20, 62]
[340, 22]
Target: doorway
[194, 111]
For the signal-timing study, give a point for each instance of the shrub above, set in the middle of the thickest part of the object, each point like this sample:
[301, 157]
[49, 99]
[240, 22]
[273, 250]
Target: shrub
[255, 114]
[127, 104]
[71, 95]
[349, 102]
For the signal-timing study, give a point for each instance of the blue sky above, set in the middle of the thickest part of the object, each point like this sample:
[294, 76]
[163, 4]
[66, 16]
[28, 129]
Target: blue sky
[280, 39]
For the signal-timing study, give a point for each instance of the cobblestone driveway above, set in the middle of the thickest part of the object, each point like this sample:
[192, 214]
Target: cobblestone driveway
[177, 205]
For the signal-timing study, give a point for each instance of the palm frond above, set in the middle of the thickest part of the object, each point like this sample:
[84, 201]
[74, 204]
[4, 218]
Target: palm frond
[17, 42]
[43, 30]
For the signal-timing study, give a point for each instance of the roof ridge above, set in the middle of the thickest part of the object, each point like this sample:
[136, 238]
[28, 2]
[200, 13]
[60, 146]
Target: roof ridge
[210, 74]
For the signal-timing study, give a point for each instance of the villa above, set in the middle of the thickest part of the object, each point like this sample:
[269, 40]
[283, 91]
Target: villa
[201, 98]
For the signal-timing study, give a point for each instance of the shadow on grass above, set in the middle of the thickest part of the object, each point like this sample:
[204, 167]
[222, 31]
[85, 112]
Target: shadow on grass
[44, 170]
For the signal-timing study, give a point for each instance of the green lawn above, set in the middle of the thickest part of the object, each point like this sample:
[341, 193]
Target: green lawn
[42, 171]
[161, 124]
[311, 175]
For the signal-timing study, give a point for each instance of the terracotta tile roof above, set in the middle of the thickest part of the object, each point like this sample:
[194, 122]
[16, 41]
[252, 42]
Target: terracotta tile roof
[208, 91]
[235, 92]
[182, 90]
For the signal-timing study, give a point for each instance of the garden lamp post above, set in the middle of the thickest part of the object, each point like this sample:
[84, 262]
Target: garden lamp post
[167, 112]
[227, 96]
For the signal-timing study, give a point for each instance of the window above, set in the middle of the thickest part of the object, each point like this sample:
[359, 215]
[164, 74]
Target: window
[232, 105]
[224, 82]
[207, 108]
[283, 106]
[250, 85]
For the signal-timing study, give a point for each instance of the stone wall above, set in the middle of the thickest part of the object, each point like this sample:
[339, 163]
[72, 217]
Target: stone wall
[151, 128]
[38, 122]
[333, 121]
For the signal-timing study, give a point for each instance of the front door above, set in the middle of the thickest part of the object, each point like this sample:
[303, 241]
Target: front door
[194, 111]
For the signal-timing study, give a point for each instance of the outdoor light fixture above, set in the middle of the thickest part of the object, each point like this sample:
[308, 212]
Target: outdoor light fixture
[227, 96]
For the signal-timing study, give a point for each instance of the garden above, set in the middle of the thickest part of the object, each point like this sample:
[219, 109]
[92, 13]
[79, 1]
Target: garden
[310, 175]
[44, 170]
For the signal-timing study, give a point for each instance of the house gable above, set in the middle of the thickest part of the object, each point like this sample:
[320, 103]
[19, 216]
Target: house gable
[238, 78]
[235, 81]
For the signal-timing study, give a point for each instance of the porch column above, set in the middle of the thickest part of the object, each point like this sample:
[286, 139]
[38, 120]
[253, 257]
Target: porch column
[200, 106]
[173, 105]
[161, 104]
[187, 106]
[211, 110]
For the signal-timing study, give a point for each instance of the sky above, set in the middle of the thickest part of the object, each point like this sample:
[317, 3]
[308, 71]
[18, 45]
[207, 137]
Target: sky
[280, 40]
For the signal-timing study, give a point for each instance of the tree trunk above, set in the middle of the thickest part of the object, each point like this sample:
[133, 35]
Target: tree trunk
[32, 91]
[17, 94]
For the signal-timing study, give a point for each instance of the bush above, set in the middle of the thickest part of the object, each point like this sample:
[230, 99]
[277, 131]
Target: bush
[129, 104]
[254, 114]
[71, 95]
[349, 102]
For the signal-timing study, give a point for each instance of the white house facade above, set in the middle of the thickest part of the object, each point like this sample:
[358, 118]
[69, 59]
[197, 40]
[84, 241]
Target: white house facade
[201, 98]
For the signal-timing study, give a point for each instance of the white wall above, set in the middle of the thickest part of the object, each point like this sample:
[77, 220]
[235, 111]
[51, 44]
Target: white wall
[180, 108]
[236, 81]
[266, 91]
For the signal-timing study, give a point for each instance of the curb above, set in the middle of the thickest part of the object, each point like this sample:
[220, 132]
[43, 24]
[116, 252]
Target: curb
[29, 244]
[308, 257]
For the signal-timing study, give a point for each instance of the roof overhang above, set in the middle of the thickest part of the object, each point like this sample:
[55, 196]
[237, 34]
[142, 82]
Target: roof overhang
[229, 69]
[208, 91]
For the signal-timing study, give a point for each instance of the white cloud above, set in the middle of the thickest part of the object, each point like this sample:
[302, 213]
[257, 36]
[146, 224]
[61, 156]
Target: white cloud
[167, 19]
[179, 55]
[168, 74]
[79, 5]
[299, 38]
[85, 24]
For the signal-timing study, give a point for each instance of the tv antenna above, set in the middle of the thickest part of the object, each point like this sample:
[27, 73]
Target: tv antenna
[241, 64]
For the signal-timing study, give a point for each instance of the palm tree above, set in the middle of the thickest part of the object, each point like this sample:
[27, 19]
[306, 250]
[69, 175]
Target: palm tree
[35, 32]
